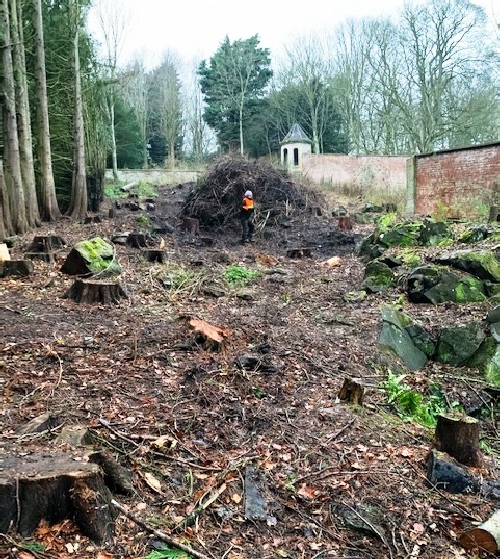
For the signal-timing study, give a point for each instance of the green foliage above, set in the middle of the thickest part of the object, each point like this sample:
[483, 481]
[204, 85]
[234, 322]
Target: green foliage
[146, 190]
[165, 552]
[387, 222]
[114, 190]
[142, 221]
[411, 405]
[129, 143]
[239, 275]
[233, 85]
[409, 257]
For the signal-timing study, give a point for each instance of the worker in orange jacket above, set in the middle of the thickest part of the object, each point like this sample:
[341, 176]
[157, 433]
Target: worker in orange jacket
[246, 217]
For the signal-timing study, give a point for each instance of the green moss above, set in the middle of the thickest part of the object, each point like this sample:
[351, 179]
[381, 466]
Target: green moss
[99, 254]
[492, 370]
[469, 290]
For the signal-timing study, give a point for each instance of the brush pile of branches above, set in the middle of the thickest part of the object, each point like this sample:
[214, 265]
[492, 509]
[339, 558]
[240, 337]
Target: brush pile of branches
[217, 200]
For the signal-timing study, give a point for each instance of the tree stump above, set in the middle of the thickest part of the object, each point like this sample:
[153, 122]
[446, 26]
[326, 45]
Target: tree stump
[95, 291]
[55, 488]
[485, 537]
[154, 255]
[352, 392]
[112, 213]
[344, 223]
[136, 240]
[494, 214]
[458, 435]
[46, 243]
[92, 219]
[20, 268]
[298, 253]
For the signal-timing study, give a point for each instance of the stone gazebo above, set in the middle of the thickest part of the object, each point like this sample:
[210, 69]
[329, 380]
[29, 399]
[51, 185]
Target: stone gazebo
[294, 145]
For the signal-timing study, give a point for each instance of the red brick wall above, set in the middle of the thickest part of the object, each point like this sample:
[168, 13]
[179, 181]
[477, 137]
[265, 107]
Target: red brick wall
[457, 183]
[361, 171]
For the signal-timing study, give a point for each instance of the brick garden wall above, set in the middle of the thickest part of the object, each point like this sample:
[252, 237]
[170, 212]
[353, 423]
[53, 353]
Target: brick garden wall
[455, 183]
[358, 171]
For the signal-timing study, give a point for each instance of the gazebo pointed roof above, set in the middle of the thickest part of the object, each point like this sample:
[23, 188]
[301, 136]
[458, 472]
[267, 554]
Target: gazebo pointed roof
[296, 135]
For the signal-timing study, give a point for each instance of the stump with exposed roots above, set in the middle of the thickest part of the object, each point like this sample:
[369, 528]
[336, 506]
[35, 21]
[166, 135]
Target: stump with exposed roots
[95, 291]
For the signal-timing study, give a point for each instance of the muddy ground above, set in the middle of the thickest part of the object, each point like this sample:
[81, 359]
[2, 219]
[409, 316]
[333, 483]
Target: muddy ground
[335, 480]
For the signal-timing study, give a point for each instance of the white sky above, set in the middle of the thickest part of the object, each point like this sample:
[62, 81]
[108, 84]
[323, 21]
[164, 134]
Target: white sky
[194, 29]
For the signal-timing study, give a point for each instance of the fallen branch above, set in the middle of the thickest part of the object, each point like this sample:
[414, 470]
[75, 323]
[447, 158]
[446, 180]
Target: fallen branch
[158, 533]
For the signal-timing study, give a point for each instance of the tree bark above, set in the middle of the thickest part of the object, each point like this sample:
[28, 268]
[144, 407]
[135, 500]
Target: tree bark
[459, 437]
[6, 228]
[54, 488]
[95, 291]
[23, 116]
[13, 175]
[78, 204]
[49, 208]
[485, 537]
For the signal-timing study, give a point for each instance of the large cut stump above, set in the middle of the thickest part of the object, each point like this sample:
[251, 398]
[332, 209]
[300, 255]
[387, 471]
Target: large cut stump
[55, 488]
[458, 435]
[46, 243]
[485, 537]
[95, 291]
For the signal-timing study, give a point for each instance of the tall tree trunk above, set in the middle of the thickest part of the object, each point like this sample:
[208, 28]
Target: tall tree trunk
[242, 148]
[78, 204]
[111, 102]
[47, 199]
[13, 166]
[6, 227]
[23, 116]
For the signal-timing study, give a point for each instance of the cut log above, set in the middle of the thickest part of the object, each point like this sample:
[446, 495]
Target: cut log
[211, 337]
[21, 268]
[4, 252]
[458, 435]
[154, 255]
[136, 240]
[95, 291]
[44, 422]
[485, 537]
[46, 243]
[444, 472]
[55, 488]
[352, 392]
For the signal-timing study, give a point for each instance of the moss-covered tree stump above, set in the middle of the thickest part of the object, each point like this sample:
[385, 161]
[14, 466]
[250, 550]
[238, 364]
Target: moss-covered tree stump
[95, 291]
[55, 488]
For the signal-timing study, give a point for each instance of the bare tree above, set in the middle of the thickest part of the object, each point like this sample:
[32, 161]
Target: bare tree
[47, 199]
[310, 67]
[113, 22]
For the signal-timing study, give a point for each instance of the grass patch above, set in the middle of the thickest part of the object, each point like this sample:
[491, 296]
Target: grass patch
[239, 275]
[411, 405]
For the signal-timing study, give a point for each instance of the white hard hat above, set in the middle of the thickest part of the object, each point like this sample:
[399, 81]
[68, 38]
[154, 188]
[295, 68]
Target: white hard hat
[248, 194]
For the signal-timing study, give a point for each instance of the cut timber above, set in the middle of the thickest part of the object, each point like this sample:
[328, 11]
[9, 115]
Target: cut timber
[298, 253]
[210, 336]
[352, 392]
[485, 537]
[55, 488]
[95, 291]
[154, 255]
[458, 435]
[20, 268]
[136, 240]
[46, 243]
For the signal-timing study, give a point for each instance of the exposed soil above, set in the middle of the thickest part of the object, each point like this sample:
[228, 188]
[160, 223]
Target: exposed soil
[135, 371]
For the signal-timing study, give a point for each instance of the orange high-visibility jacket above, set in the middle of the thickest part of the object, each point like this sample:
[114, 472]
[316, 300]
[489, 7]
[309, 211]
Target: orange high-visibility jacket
[247, 204]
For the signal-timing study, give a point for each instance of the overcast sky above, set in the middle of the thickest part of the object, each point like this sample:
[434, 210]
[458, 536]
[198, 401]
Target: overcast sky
[194, 29]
